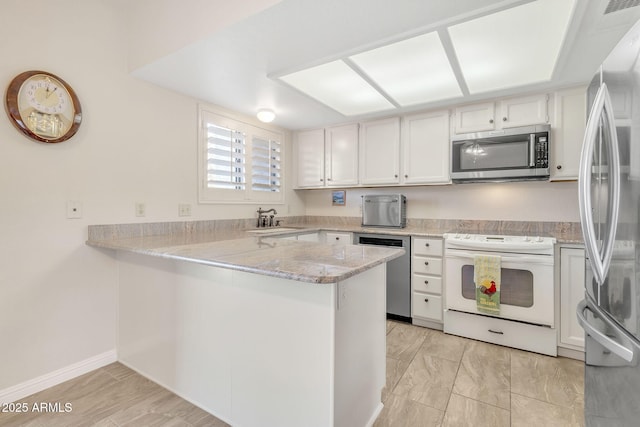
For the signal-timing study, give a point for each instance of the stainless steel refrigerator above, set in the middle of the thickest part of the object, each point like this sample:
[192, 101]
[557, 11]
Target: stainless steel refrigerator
[609, 192]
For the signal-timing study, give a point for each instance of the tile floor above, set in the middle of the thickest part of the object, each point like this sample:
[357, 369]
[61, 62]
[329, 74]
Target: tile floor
[433, 379]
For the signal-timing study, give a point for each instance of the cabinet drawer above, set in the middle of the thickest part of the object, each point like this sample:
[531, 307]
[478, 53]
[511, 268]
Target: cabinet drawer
[431, 284]
[425, 246]
[427, 306]
[427, 265]
[342, 238]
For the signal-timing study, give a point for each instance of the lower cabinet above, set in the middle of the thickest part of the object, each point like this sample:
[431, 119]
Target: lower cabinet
[426, 282]
[572, 272]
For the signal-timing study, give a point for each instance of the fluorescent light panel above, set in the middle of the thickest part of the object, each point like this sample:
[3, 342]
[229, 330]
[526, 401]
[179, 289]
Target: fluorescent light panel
[336, 85]
[514, 47]
[413, 71]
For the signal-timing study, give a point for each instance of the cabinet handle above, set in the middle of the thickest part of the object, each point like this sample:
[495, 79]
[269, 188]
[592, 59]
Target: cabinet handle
[426, 244]
[406, 176]
[426, 300]
[426, 282]
[337, 238]
[321, 179]
[559, 167]
[426, 263]
[395, 176]
[495, 332]
[504, 119]
[328, 179]
[490, 120]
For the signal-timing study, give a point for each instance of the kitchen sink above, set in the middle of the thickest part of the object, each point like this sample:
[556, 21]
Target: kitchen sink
[272, 230]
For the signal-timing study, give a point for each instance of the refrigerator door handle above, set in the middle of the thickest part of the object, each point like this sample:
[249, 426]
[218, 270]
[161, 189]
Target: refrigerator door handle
[608, 343]
[599, 261]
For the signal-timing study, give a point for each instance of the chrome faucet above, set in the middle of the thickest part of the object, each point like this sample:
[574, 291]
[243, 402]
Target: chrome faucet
[262, 218]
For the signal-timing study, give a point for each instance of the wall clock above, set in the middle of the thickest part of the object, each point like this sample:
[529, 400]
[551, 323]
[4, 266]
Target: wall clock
[43, 106]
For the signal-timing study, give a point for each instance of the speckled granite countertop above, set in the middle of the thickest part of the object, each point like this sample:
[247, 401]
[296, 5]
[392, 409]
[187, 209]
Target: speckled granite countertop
[230, 243]
[239, 250]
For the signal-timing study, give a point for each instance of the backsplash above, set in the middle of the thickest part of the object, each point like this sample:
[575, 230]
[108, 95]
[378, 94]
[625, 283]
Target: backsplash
[533, 228]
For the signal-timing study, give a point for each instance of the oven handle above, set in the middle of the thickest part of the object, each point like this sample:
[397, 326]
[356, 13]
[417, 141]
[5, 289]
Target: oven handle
[529, 259]
[461, 244]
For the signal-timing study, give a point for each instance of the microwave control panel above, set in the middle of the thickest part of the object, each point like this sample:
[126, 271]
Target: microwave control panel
[542, 152]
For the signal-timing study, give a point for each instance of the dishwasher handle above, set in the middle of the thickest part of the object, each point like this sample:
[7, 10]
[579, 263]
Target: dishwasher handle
[377, 241]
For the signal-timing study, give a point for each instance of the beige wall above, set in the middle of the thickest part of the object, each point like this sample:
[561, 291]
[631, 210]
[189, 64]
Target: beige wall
[137, 143]
[517, 201]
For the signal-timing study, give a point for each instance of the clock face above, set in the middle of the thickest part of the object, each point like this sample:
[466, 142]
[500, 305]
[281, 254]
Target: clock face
[43, 106]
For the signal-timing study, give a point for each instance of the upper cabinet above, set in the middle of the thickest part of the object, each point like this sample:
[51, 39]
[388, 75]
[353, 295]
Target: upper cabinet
[475, 117]
[380, 152]
[530, 110]
[425, 148]
[511, 112]
[309, 148]
[341, 155]
[327, 157]
[569, 121]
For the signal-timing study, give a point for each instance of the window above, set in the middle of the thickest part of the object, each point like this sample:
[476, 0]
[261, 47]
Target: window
[239, 162]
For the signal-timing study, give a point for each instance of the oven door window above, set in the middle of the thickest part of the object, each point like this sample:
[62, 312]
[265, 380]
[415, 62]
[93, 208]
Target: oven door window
[516, 287]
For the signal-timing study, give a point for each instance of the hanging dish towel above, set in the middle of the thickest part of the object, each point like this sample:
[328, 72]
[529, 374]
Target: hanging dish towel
[486, 275]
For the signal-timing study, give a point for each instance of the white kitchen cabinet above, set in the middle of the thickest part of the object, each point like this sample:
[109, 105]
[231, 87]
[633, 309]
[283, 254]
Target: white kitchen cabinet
[426, 282]
[327, 157]
[572, 273]
[341, 155]
[380, 152]
[570, 118]
[511, 112]
[309, 237]
[310, 150]
[425, 148]
[475, 117]
[529, 110]
[343, 238]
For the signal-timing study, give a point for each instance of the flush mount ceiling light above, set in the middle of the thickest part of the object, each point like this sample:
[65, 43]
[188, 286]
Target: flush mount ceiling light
[266, 115]
[338, 86]
[514, 47]
[413, 71]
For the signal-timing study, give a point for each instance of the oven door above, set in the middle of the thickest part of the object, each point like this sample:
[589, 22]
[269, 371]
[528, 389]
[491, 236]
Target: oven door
[526, 288]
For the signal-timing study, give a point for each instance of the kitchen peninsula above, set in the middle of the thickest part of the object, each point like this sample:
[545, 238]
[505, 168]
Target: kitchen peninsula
[254, 329]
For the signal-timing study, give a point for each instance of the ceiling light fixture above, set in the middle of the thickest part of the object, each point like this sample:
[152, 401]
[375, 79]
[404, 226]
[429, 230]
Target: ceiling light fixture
[266, 115]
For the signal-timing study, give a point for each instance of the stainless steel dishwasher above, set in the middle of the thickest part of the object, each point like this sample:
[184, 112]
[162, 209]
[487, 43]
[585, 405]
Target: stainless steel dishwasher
[398, 273]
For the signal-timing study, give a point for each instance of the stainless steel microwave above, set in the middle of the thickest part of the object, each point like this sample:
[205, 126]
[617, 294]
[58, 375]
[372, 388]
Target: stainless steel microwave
[503, 155]
[384, 210]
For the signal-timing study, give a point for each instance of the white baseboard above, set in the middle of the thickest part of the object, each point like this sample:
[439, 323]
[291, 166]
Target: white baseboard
[51, 379]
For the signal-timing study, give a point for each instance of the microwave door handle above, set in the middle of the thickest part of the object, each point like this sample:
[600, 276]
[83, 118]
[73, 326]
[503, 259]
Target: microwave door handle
[584, 188]
[532, 150]
[614, 179]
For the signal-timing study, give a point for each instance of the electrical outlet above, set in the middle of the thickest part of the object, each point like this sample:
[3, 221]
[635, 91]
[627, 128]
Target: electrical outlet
[74, 209]
[141, 209]
[184, 209]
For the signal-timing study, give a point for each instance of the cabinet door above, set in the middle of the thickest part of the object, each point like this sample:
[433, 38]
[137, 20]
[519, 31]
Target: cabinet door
[475, 117]
[572, 268]
[310, 156]
[425, 148]
[530, 110]
[341, 154]
[570, 117]
[380, 152]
